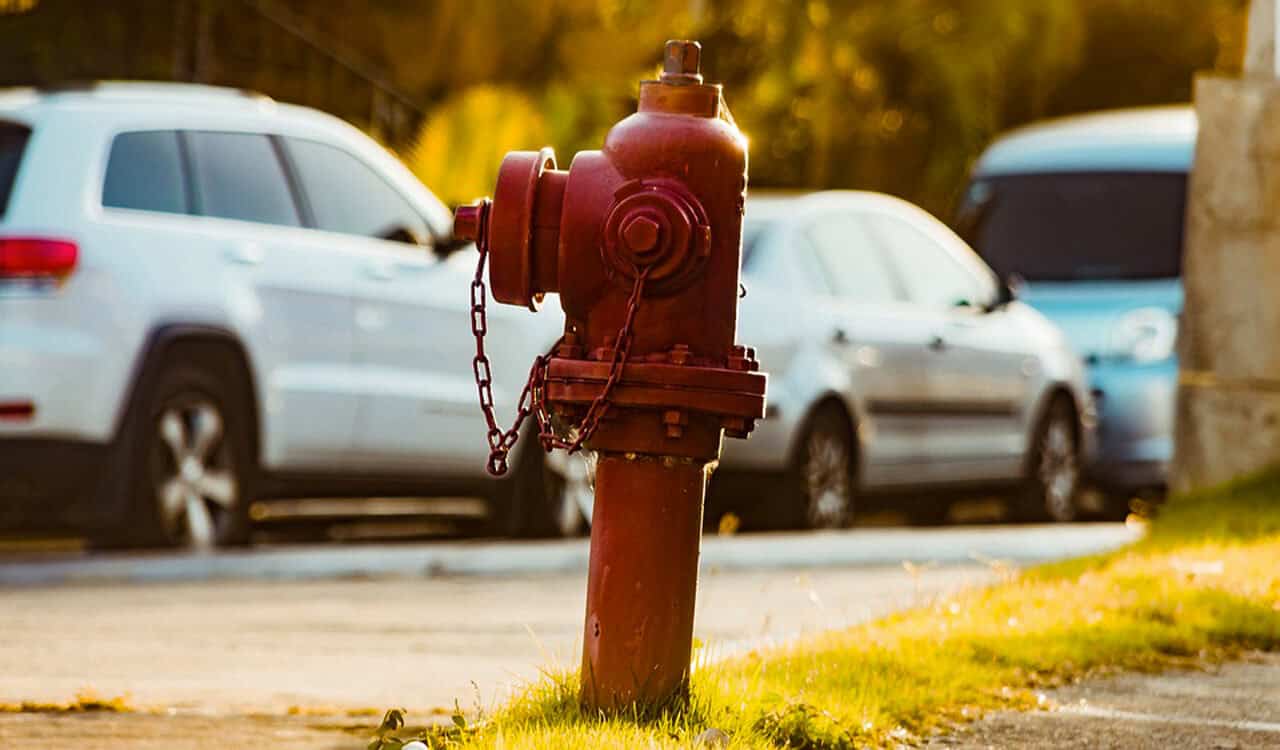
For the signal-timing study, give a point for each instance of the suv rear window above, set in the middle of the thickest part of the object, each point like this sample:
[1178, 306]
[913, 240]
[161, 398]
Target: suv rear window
[145, 172]
[13, 143]
[1078, 227]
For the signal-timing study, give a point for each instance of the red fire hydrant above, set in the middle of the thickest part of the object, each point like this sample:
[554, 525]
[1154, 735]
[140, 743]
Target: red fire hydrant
[642, 242]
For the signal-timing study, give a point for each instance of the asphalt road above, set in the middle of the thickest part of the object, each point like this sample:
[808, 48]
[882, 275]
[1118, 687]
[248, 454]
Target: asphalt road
[423, 625]
[1225, 707]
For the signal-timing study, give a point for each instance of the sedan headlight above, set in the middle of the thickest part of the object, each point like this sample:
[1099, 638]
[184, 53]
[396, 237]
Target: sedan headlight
[1148, 334]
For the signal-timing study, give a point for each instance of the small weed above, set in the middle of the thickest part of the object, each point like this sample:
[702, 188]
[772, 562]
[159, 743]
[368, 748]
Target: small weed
[86, 701]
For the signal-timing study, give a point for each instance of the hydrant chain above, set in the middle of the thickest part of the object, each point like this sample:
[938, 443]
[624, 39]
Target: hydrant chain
[531, 401]
[600, 406]
[500, 442]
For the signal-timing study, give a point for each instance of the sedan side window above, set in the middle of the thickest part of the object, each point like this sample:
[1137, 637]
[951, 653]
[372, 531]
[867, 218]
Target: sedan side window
[853, 264]
[239, 176]
[349, 197]
[144, 172]
[931, 276]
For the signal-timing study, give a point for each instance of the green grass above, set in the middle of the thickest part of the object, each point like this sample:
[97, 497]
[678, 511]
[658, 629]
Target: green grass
[1203, 585]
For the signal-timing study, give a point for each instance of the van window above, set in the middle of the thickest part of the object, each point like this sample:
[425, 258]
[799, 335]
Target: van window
[347, 196]
[1079, 226]
[13, 143]
[144, 171]
[239, 176]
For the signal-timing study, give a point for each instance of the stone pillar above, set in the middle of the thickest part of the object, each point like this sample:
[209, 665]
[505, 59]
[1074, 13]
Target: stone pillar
[1260, 55]
[1228, 418]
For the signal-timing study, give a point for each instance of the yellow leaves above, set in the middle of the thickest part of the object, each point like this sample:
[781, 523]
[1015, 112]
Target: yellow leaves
[14, 7]
[463, 142]
[819, 14]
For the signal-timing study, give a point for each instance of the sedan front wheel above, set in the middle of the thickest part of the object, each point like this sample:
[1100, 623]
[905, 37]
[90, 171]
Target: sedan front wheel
[823, 473]
[1053, 468]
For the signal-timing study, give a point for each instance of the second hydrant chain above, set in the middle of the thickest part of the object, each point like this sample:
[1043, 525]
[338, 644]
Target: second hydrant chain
[532, 396]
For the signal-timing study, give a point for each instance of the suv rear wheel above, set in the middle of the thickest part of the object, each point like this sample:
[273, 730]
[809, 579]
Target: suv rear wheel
[190, 451]
[537, 501]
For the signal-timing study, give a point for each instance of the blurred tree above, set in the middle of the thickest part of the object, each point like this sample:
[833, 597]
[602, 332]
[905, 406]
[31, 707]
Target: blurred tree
[888, 96]
[893, 95]
[1138, 52]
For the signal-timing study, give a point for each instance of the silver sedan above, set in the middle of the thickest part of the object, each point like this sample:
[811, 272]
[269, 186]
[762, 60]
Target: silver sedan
[900, 369]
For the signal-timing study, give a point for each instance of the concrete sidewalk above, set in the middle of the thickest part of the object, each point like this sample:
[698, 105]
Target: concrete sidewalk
[1229, 707]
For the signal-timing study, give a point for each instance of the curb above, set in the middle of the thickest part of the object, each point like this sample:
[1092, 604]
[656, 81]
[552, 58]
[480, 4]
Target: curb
[858, 548]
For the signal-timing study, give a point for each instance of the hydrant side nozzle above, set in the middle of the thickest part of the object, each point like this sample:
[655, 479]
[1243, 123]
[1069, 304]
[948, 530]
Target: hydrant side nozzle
[511, 232]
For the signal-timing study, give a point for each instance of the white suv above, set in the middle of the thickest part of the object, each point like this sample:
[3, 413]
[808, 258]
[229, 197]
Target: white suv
[208, 298]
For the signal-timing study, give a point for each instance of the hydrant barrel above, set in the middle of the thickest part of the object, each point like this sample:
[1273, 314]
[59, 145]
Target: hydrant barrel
[642, 581]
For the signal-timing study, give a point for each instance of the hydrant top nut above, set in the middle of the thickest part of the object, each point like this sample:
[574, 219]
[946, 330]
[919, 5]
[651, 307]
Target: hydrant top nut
[682, 62]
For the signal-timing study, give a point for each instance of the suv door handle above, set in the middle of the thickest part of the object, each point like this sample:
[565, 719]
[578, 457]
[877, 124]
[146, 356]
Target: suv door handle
[249, 254]
[380, 270]
[937, 343]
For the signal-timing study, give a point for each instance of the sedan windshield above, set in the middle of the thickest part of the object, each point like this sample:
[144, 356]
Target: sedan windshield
[1072, 227]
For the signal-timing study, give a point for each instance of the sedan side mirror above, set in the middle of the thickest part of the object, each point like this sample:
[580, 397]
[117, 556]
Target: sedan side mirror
[1008, 290]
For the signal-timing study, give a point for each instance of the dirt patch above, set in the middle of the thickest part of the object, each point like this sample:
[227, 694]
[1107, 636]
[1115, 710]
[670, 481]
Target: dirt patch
[139, 731]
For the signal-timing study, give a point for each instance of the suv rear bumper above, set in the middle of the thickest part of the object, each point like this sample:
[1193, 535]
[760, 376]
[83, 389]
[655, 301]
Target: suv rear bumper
[50, 483]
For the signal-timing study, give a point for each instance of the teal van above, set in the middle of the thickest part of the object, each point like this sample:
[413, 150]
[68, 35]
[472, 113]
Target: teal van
[1085, 215]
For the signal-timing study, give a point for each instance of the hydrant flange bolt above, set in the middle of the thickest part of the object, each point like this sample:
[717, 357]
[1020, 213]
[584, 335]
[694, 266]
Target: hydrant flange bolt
[569, 347]
[675, 421]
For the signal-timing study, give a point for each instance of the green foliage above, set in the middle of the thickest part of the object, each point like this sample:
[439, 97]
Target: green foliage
[894, 96]
[1244, 510]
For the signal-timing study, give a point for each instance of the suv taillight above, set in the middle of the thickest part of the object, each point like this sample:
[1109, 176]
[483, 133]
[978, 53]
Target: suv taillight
[37, 258]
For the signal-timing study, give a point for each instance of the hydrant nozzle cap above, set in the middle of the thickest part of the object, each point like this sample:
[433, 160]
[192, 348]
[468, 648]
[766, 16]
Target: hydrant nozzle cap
[468, 221]
[682, 62]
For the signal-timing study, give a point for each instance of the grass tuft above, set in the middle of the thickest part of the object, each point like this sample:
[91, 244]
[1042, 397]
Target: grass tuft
[1202, 586]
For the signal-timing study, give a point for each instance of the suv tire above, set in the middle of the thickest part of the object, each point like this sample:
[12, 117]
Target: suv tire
[189, 462]
[535, 502]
